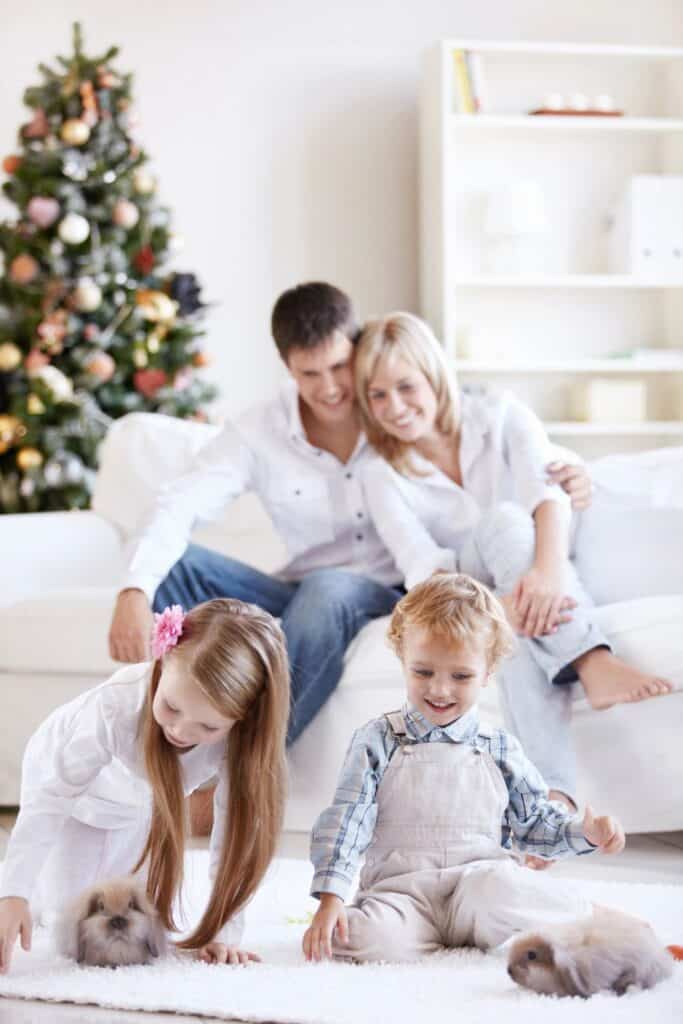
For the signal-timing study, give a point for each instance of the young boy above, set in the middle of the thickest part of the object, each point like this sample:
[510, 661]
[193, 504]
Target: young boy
[434, 797]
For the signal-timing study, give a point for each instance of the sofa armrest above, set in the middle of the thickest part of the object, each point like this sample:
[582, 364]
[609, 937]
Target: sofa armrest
[46, 551]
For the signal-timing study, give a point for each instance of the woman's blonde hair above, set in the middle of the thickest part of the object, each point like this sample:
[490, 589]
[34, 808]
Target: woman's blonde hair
[236, 653]
[406, 336]
[457, 607]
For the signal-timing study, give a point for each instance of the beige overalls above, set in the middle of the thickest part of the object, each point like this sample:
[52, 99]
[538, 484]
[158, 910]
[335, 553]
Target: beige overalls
[435, 873]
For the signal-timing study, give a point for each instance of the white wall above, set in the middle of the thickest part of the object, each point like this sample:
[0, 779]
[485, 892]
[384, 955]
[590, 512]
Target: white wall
[284, 134]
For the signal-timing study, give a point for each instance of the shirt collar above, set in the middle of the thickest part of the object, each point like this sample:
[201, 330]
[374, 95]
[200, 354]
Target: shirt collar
[295, 427]
[464, 728]
[474, 429]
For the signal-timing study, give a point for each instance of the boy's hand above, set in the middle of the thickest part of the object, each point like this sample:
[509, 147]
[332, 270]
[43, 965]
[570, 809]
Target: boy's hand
[574, 479]
[606, 833]
[329, 917]
[539, 600]
[15, 917]
[219, 953]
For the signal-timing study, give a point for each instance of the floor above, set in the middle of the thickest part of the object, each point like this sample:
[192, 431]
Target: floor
[647, 858]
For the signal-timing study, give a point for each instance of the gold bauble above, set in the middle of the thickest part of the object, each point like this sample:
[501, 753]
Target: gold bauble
[34, 405]
[75, 132]
[10, 357]
[156, 306]
[140, 357]
[29, 458]
[11, 431]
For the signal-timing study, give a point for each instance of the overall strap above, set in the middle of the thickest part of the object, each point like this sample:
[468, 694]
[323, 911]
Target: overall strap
[397, 724]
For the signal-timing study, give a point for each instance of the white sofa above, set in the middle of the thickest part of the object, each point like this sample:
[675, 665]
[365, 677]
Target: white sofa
[61, 573]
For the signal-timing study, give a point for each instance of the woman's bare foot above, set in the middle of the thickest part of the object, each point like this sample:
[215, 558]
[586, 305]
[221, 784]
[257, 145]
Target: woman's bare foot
[540, 863]
[608, 680]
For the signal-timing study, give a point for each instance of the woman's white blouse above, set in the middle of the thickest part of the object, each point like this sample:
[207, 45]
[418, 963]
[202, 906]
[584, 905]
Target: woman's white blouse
[85, 761]
[423, 520]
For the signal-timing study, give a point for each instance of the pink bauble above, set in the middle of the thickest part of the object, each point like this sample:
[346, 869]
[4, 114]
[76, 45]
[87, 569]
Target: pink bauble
[43, 211]
[91, 332]
[101, 365]
[23, 269]
[182, 379]
[125, 214]
[148, 382]
[34, 360]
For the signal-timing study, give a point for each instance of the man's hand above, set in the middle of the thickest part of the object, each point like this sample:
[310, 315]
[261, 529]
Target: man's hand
[606, 833]
[329, 917]
[15, 919]
[574, 479]
[131, 627]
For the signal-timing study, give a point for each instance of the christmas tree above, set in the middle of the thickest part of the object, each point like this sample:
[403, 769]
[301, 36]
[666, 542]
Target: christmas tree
[90, 326]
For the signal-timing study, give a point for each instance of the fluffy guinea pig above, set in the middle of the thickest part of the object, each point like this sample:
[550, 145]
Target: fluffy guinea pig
[609, 951]
[111, 925]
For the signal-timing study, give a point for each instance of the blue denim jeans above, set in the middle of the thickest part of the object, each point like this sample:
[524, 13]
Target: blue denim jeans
[320, 615]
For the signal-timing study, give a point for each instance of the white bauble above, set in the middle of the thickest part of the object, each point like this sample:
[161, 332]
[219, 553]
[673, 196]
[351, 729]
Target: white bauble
[73, 229]
[87, 295]
[144, 183]
[125, 214]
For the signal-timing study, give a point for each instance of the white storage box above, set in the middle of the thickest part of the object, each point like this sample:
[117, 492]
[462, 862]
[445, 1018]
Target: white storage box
[602, 400]
[647, 232]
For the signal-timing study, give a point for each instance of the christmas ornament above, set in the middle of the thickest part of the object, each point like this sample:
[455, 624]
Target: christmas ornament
[125, 214]
[11, 432]
[63, 469]
[185, 289]
[11, 164]
[27, 487]
[86, 296]
[10, 357]
[201, 359]
[156, 306]
[75, 132]
[34, 360]
[90, 113]
[109, 177]
[34, 406]
[91, 332]
[144, 260]
[23, 269]
[144, 183]
[100, 365]
[140, 357]
[59, 386]
[182, 379]
[52, 331]
[148, 382]
[106, 79]
[38, 127]
[43, 211]
[29, 458]
[53, 293]
[75, 165]
[74, 229]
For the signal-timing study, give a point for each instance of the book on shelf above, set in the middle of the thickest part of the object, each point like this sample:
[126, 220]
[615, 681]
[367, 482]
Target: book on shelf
[470, 86]
[475, 66]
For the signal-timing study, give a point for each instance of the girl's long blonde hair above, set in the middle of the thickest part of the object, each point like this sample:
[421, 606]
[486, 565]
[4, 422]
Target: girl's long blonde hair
[408, 337]
[236, 654]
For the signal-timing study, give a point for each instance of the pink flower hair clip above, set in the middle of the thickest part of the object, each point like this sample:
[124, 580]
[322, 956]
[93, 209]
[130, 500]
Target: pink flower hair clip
[168, 628]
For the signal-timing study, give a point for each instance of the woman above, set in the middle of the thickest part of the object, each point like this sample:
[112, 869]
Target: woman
[464, 486]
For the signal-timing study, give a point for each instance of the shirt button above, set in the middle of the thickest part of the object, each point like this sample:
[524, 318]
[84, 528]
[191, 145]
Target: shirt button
[359, 536]
[349, 476]
[318, 453]
[359, 514]
[297, 491]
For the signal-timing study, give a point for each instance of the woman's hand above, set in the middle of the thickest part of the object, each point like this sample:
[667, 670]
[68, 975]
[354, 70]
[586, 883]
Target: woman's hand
[539, 601]
[219, 953]
[573, 478]
[329, 917]
[15, 919]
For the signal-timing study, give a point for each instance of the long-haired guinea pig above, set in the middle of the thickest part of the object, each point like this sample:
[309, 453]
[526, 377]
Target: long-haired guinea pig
[609, 951]
[111, 925]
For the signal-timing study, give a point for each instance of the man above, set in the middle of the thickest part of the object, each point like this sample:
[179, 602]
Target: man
[302, 453]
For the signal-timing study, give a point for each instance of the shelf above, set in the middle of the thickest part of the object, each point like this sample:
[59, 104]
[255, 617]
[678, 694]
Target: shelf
[565, 123]
[619, 281]
[566, 49]
[653, 427]
[625, 365]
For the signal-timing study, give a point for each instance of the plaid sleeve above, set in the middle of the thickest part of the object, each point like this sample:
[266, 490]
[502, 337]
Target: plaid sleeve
[540, 826]
[343, 831]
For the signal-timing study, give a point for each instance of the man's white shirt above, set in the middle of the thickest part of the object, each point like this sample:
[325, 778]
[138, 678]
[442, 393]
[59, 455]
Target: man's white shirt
[316, 502]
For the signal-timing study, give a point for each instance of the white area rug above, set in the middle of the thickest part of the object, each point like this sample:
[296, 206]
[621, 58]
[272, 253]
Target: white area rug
[461, 986]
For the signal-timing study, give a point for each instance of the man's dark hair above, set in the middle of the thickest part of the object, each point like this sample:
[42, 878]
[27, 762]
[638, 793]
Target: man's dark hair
[305, 316]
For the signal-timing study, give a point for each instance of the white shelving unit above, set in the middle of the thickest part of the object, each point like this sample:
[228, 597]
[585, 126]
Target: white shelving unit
[542, 333]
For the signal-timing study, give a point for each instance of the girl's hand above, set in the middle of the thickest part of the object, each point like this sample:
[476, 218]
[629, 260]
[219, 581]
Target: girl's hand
[575, 480]
[329, 917]
[218, 953]
[606, 833]
[15, 918]
[538, 599]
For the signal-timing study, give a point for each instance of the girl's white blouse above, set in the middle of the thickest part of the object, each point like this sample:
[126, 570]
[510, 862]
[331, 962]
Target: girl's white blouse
[85, 761]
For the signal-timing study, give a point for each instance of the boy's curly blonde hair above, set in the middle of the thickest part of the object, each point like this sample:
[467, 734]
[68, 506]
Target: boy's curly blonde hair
[455, 606]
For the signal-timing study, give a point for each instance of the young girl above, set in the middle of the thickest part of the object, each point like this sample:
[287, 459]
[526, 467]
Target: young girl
[464, 486]
[433, 796]
[105, 777]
